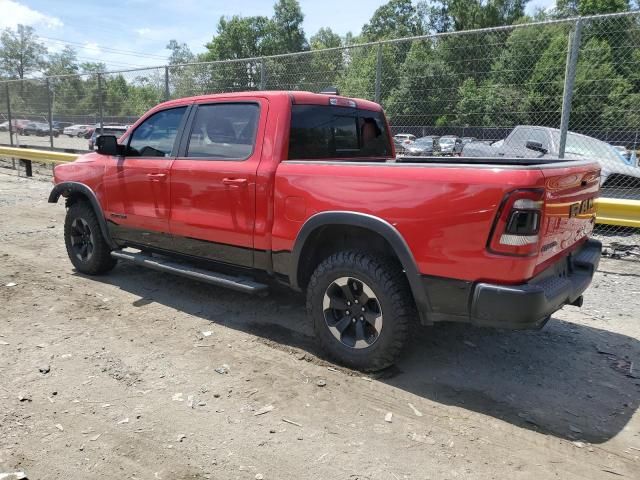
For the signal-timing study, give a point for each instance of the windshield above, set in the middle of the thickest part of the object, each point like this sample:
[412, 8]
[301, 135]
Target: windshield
[111, 131]
[424, 141]
[588, 147]
[447, 140]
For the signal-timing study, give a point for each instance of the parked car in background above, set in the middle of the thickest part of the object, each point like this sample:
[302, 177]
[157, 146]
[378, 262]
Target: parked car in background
[60, 126]
[450, 145]
[629, 156]
[424, 146]
[77, 130]
[404, 138]
[42, 129]
[28, 128]
[400, 146]
[39, 129]
[116, 130]
[466, 140]
[530, 141]
[4, 126]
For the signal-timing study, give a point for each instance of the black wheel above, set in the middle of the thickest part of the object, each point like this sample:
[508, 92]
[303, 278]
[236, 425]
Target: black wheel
[86, 247]
[361, 308]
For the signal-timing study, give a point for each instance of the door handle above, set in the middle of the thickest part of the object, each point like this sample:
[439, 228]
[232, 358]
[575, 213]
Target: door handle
[158, 176]
[238, 182]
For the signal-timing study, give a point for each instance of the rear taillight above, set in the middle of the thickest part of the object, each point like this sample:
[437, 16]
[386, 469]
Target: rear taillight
[517, 228]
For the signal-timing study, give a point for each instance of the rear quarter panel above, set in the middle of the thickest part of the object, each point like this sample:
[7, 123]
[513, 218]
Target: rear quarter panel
[444, 212]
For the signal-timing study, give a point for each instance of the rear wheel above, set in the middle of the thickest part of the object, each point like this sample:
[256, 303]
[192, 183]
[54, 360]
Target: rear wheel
[86, 247]
[361, 308]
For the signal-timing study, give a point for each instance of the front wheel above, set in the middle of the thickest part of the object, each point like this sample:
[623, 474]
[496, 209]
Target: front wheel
[86, 247]
[361, 308]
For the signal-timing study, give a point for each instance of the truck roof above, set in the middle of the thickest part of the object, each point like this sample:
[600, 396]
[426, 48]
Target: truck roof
[297, 97]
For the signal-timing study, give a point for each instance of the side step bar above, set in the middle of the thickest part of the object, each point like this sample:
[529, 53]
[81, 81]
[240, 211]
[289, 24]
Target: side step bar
[219, 279]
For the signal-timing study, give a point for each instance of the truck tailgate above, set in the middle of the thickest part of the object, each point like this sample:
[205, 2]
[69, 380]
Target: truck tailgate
[569, 208]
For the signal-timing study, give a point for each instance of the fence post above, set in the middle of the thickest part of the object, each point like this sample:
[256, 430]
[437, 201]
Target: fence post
[569, 80]
[166, 83]
[263, 75]
[378, 73]
[49, 111]
[10, 121]
[100, 102]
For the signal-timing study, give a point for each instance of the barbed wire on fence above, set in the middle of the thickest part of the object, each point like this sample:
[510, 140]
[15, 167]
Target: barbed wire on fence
[575, 82]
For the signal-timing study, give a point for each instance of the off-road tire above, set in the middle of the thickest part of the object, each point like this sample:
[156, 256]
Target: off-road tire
[388, 282]
[100, 260]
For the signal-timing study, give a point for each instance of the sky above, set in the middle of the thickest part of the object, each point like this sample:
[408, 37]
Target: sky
[133, 33]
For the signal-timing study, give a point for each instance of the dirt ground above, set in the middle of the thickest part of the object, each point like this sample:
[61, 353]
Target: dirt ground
[132, 388]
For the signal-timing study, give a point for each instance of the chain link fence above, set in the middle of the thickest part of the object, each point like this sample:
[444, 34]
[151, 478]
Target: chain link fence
[568, 88]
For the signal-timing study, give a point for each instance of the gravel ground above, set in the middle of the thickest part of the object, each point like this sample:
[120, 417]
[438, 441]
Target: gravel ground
[115, 377]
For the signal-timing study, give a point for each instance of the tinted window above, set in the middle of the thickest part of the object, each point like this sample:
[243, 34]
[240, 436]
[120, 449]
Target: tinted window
[225, 131]
[522, 135]
[320, 132]
[156, 135]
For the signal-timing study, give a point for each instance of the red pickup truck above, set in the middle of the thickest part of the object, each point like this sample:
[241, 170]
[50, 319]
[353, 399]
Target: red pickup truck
[246, 188]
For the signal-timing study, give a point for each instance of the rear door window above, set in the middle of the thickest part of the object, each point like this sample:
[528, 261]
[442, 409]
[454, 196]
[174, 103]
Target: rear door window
[331, 132]
[224, 131]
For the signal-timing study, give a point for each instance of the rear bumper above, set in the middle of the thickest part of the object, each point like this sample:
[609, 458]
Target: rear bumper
[523, 306]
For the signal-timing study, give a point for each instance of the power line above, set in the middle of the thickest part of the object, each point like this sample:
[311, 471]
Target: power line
[131, 53]
[108, 62]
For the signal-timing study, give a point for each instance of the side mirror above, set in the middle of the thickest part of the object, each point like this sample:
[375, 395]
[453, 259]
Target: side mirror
[536, 146]
[108, 145]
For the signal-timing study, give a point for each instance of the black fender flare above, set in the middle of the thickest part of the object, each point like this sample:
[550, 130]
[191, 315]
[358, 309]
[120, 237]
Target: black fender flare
[377, 225]
[67, 188]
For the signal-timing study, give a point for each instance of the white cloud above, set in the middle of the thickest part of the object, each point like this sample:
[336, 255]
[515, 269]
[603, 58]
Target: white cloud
[13, 13]
[535, 5]
[91, 48]
[143, 32]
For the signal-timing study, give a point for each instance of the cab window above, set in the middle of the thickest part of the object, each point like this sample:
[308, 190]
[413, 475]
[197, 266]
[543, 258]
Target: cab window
[155, 137]
[332, 132]
[224, 131]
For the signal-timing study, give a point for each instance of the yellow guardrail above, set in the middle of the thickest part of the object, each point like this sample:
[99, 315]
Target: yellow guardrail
[610, 211]
[44, 156]
[619, 212]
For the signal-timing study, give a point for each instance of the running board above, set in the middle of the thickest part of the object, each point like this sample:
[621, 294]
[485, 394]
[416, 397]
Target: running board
[240, 284]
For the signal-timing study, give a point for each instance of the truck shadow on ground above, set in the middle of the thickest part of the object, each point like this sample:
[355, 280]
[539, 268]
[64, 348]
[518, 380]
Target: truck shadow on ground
[568, 380]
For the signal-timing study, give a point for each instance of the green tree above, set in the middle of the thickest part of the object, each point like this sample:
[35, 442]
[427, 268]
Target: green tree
[238, 37]
[20, 52]
[285, 28]
[457, 15]
[425, 93]
[325, 66]
[395, 19]
[546, 84]
[63, 63]
[489, 105]
[570, 8]
[598, 88]
[522, 51]
[180, 53]
[66, 87]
